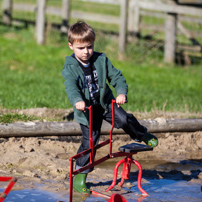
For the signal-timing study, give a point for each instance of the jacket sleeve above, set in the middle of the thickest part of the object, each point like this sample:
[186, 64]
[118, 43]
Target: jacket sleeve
[116, 79]
[71, 87]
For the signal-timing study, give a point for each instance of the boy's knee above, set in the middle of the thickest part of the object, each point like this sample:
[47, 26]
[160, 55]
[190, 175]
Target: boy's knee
[122, 122]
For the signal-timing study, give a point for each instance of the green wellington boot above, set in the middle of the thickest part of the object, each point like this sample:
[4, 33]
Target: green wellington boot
[79, 183]
[151, 140]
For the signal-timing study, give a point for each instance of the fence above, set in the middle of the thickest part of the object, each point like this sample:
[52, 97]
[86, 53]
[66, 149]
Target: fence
[130, 21]
[172, 11]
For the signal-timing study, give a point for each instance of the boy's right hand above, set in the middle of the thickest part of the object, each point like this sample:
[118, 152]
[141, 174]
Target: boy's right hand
[80, 106]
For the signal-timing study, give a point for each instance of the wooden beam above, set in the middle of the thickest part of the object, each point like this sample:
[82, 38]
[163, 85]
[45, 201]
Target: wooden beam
[74, 14]
[170, 36]
[40, 21]
[137, 18]
[191, 19]
[96, 17]
[123, 25]
[33, 129]
[191, 48]
[24, 7]
[7, 11]
[178, 9]
[65, 15]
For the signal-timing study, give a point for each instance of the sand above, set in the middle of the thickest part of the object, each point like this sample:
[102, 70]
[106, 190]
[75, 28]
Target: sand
[43, 162]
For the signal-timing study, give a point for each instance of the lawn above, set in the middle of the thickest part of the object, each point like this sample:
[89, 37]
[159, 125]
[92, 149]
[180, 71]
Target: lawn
[31, 74]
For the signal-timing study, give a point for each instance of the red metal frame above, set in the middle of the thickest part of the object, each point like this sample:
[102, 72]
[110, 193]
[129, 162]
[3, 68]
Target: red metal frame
[5, 193]
[127, 161]
[126, 172]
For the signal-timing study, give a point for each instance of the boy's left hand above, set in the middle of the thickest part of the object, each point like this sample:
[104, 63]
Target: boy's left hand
[121, 99]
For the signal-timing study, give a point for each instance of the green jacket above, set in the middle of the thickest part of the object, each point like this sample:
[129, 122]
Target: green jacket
[77, 89]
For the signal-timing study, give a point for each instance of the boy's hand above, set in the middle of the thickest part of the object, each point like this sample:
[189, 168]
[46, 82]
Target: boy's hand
[80, 106]
[121, 99]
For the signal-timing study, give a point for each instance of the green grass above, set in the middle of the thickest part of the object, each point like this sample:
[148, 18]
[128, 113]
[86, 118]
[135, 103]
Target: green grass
[15, 117]
[31, 74]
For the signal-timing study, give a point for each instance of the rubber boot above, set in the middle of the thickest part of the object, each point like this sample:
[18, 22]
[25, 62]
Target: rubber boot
[150, 140]
[79, 184]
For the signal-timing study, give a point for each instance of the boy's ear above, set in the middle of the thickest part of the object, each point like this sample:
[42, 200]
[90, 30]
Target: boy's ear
[70, 46]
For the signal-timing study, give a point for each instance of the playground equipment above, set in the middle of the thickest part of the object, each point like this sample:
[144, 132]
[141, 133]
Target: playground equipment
[5, 193]
[126, 151]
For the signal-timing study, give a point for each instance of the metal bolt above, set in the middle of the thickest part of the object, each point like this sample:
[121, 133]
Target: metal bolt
[4, 195]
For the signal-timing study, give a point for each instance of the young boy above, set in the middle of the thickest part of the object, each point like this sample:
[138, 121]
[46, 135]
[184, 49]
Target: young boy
[86, 74]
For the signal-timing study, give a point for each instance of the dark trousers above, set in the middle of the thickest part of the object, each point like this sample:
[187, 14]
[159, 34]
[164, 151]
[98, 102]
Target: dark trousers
[122, 120]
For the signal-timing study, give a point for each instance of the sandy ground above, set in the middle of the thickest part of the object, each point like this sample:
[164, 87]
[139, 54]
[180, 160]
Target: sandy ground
[45, 160]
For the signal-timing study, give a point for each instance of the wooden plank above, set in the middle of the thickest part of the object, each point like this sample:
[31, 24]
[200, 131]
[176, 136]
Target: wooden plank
[74, 14]
[123, 25]
[163, 15]
[160, 28]
[194, 54]
[40, 22]
[96, 17]
[178, 9]
[190, 48]
[137, 18]
[24, 7]
[113, 2]
[7, 11]
[184, 30]
[33, 129]
[131, 13]
[65, 15]
[170, 36]
[190, 1]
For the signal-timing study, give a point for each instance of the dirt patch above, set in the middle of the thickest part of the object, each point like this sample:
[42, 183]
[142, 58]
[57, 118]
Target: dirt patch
[45, 160]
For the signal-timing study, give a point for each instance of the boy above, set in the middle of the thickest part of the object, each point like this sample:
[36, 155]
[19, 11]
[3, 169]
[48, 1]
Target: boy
[86, 73]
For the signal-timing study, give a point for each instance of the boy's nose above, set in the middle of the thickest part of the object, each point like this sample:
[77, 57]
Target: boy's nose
[86, 50]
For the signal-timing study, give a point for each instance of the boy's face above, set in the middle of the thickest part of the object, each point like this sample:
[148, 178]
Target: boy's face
[82, 50]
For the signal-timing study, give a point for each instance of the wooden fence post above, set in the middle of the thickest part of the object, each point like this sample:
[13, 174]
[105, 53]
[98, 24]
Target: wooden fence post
[65, 15]
[123, 25]
[7, 11]
[40, 21]
[137, 18]
[131, 16]
[170, 36]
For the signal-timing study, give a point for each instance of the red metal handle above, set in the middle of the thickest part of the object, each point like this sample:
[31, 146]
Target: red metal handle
[91, 141]
[113, 117]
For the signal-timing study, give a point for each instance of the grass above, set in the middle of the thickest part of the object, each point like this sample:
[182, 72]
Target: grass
[15, 117]
[31, 74]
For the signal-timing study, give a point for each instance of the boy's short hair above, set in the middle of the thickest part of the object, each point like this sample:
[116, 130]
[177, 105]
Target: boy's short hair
[81, 32]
